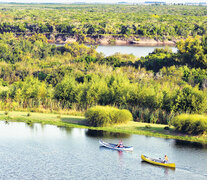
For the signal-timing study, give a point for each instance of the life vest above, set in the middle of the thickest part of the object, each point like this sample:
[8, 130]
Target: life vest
[121, 144]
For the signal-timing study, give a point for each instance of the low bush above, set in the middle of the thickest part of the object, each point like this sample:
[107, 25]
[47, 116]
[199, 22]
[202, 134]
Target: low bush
[29, 122]
[166, 128]
[123, 116]
[59, 116]
[191, 124]
[100, 116]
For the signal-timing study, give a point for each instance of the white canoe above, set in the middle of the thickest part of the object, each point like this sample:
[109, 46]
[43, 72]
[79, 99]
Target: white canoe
[114, 146]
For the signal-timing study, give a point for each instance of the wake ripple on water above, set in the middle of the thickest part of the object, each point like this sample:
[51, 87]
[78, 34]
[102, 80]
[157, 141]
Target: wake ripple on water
[191, 171]
[60, 155]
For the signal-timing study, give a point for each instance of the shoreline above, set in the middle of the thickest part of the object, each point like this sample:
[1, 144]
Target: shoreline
[147, 129]
[130, 45]
[113, 40]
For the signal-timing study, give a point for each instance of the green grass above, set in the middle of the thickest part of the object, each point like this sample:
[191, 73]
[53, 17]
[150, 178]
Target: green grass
[131, 127]
[54, 119]
[156, 130]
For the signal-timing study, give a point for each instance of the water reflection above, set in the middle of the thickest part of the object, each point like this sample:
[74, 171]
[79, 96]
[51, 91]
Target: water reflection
[120, 153]
[68, 130]
[166, 170]
[106, 134]
[6, 122]
[30, 125]
[39, 150]
[187, 144]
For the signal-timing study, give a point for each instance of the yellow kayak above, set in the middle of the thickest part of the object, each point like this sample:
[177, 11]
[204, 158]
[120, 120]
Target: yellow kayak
[157, 162]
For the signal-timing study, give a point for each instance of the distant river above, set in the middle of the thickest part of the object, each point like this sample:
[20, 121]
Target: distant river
[135, 50]
[128, 49]
[33, 152]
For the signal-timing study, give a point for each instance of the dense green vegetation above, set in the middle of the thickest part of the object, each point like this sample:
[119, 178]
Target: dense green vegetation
[82, 21]
[37, 76]
[100, 116]
[192, 124]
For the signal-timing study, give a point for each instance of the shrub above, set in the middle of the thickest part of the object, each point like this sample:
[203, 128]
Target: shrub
[112, 61]
[122, 116]
[191, 124]
[29, 122]
[100, 116]
[147, 115]
[59, 116]
[190, 100]
[166, 128]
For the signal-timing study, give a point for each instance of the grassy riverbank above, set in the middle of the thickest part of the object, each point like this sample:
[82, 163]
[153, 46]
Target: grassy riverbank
[156, 130]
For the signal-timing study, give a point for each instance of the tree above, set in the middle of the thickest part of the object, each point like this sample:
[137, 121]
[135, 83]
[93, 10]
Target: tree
[192, 52]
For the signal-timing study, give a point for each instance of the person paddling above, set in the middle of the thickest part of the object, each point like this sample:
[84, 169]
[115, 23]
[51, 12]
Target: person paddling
[120, 144]
[165, 159]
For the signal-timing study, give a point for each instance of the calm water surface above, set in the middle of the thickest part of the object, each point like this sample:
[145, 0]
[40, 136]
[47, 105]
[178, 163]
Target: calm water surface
[50, 152]
[135, 50]
[138, 51]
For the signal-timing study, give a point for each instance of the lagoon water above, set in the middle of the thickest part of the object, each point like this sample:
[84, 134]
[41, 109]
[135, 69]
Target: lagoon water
[50, 152]
[135, 50]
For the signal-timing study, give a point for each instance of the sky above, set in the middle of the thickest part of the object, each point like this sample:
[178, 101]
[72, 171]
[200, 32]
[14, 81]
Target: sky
[101, 1]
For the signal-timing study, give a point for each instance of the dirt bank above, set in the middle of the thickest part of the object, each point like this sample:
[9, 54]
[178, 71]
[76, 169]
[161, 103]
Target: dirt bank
[114, 40]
